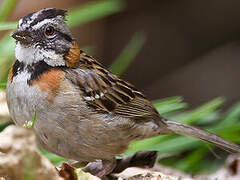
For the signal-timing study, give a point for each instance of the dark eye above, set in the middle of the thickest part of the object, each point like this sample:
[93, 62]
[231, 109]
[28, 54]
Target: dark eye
[49, 30]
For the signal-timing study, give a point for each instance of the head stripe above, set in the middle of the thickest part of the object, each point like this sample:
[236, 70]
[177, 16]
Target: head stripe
[47, 13]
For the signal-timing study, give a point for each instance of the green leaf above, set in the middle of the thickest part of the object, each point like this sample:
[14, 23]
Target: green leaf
[128, 53]
[55, 159]
[3, 85]
[200, 112]
[190, 161]
[3, 125]
[211, 118]
[6, 56]
[169, 100]
[170, 145]
[170, 108]
[231, 116]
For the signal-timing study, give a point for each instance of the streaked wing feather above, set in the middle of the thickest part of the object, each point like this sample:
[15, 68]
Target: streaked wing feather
[106, 92]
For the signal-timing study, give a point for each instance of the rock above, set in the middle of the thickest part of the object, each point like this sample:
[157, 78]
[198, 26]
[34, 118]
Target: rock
[4, 113]
[149, 174]
[20, 158]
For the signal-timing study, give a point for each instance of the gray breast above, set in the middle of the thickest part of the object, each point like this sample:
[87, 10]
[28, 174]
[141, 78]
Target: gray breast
[22, 99]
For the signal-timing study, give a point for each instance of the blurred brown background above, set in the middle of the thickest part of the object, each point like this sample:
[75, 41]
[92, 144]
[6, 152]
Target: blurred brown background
[192, 47]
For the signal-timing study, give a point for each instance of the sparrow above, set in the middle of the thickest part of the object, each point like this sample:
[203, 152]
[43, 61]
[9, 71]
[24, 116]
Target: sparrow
[83, 111]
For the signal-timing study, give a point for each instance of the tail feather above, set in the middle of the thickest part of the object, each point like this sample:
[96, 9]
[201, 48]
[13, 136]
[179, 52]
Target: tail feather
[201, 134]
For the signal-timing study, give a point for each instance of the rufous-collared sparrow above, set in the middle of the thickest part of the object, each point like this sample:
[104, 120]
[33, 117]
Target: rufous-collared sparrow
[83, 111]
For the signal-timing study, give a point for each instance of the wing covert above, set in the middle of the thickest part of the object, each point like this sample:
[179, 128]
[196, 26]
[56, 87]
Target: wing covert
[105, 92]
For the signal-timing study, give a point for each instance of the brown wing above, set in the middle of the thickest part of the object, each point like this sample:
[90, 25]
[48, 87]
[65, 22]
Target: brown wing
[105, 92]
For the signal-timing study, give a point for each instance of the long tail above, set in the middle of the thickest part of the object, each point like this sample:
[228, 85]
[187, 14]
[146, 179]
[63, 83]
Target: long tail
[204, 135]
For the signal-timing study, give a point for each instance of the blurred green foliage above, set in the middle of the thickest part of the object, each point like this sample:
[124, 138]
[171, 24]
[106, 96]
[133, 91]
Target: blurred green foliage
[93, 11]
[129, 53]
[6, 8]
[184, 153]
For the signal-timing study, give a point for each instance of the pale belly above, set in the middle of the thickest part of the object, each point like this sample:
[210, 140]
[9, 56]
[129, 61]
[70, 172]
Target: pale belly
[67, 126]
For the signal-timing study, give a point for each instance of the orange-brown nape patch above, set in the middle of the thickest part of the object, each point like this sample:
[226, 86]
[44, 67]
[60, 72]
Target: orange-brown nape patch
[73, 55]
[10, 74]
[50, 82]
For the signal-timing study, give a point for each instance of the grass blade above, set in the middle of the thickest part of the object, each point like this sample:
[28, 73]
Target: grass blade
[128, 54]
[200, 112]
[8, 25]
[6, 56]
[93, 11]
[3, 125]
[189, 163]
[231, 117]
[170, 108]
[169, 100]
[55, 159]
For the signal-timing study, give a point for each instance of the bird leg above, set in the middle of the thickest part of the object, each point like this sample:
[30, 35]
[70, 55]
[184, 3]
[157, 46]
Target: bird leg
[101, 168]
[139, 159]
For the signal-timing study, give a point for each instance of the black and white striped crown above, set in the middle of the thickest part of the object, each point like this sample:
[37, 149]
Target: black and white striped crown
[45, 14]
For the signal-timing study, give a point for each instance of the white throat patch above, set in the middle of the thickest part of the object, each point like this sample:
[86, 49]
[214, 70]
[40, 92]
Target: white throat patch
[30, 55]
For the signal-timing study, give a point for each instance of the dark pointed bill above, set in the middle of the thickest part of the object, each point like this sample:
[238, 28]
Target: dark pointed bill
[22, 36]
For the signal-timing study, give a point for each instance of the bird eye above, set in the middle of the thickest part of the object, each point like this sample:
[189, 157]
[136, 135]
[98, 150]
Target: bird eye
[49, 30]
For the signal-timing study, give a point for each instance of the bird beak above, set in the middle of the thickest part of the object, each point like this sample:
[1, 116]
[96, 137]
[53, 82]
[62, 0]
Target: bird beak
[22, 36]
